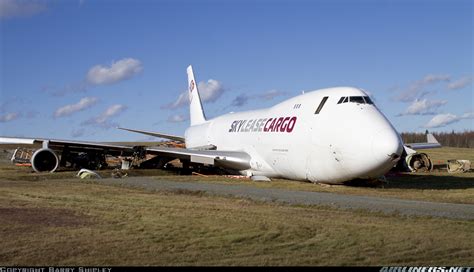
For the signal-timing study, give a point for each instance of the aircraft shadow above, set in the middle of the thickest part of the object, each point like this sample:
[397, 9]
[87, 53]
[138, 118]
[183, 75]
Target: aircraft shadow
[431, 181]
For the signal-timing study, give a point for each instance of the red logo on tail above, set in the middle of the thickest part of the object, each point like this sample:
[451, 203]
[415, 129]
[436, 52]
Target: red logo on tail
[191, 85]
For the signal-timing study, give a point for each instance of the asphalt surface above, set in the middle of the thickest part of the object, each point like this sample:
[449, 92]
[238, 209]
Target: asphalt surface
[369, 203]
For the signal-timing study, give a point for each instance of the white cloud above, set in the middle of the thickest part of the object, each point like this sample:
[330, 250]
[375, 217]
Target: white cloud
[99, 75]
[178, 118]
[103, 120]
[111, 112]
[269, 95]
[442, 120]
[417, 89]
[240, 100]
[20, 8]
[209, 91]
[183, 100]
[423, 107]
[9, 117]
[83, 104]
[460, 83]
[118, 71]
[244, 98]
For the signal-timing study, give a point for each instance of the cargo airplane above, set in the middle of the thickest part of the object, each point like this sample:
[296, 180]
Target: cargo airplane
[329, 135]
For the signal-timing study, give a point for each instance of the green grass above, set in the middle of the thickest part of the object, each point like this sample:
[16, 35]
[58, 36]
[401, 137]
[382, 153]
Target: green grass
[45, 219]
[440, 155]
[79, 223]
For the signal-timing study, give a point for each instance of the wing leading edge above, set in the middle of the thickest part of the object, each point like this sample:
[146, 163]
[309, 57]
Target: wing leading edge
[156, 134]
[60, 144]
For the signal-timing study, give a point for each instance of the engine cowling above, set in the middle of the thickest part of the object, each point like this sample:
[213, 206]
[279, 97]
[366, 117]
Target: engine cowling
[44, 160]
[419, 162]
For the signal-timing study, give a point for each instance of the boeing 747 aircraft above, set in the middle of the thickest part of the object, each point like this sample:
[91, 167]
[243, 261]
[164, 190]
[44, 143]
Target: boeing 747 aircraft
[330, 135]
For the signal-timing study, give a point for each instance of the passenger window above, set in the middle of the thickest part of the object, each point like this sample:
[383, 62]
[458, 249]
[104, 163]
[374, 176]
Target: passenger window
[321, 105]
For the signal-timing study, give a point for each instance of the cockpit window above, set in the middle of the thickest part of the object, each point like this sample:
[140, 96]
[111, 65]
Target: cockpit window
[323, 101]
[356, 99]
[368, 100]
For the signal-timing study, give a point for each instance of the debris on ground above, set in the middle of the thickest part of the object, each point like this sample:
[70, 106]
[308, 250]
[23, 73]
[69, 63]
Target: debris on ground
[236, 176]
[199, 174]
[260, 178]
[87, 174]
[458, 166]
[117, 173]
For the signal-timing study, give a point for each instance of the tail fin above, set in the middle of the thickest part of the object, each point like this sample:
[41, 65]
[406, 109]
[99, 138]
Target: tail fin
[431, 139]
[195, 106]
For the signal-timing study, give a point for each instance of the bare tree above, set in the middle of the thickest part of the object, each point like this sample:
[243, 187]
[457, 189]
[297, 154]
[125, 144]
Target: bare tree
[452, 139]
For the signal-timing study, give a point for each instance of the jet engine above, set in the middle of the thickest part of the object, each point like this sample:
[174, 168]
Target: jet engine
[412, 161]
[44, 160]
[419, 162]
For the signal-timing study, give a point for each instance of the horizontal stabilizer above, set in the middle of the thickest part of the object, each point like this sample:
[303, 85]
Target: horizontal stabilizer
[156, 134]
[431, 143]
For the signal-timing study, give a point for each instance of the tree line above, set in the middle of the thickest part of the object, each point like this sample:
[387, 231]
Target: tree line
[452, 139]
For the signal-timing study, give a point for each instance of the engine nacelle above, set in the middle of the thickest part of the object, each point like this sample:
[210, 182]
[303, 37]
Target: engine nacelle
[419, 162]
[44, 160]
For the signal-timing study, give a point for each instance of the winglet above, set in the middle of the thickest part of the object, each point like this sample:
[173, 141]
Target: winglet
[196, 112]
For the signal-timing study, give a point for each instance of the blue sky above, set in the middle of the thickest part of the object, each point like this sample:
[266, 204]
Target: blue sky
[77, 69]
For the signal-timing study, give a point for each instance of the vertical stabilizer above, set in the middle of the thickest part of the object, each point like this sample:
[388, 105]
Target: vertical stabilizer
[195, 106]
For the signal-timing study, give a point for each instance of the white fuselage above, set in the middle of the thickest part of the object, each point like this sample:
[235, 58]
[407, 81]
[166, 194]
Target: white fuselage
[344, 141]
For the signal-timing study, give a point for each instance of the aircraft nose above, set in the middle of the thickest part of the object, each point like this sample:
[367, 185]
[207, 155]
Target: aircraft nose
[387, 146]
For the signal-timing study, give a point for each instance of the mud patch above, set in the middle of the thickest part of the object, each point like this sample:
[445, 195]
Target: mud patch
[43, 217]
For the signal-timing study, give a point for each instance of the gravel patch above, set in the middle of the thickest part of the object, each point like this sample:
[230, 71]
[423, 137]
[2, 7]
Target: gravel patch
[369, 203]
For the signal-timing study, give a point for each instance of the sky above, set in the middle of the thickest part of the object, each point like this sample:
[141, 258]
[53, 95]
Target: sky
[77, 69]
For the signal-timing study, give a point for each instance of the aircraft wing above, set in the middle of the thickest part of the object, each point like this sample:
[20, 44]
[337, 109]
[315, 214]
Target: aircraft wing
[61, 144]
[431, 143]
[237, 160]
[229, 159]
[156, 134]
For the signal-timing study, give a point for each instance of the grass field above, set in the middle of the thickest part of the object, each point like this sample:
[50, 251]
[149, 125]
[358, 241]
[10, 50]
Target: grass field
[45, 220]
[58, 223]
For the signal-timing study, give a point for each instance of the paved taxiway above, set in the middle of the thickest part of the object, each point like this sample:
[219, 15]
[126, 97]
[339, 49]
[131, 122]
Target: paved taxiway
[370, 203]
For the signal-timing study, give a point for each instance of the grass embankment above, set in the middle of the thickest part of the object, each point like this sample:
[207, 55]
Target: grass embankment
[64, 223]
